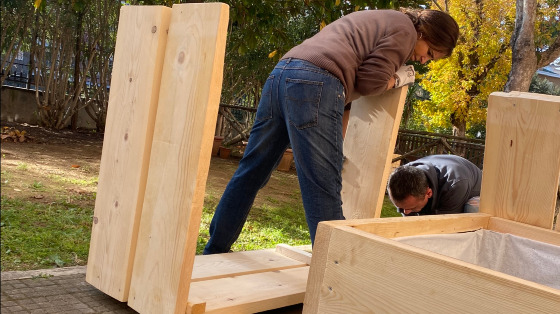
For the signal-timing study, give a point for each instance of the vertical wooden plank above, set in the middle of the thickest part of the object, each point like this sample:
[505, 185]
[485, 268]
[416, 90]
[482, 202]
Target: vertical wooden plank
[318, 265]
[368, 146]
[183, 137]
[139, 53]
[522, 157]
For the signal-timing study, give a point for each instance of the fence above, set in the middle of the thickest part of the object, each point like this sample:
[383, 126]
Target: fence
[412, 145]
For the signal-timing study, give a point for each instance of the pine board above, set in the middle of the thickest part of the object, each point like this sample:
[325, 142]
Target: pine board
[251, 293]
[135, 82]
[403, 279]
[522, 157]
[182, 143]
[207, 267]
[368, 147]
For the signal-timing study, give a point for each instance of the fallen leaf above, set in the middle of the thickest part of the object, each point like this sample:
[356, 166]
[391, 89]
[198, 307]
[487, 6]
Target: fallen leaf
[75, 166]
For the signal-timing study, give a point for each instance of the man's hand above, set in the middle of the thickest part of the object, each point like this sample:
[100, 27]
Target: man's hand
[405, 76]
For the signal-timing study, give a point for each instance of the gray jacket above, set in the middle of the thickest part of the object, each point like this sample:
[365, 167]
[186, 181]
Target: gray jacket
[453, 180]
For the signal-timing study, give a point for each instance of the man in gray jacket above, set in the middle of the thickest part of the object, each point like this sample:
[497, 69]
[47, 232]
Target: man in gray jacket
[437, 184]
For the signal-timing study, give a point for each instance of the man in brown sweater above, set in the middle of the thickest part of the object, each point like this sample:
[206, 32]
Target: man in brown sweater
[302, 105]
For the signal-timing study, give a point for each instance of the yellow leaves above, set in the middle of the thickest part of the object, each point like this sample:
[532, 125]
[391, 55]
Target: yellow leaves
[337, 3]
[322, 25]
[272, 54]
[357, 8]
[37, 4]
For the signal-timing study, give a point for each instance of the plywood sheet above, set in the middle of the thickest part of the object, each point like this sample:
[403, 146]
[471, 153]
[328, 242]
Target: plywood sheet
[182, 143]
[368, 147]
[522, 157]
[135, 82]
[370, 274]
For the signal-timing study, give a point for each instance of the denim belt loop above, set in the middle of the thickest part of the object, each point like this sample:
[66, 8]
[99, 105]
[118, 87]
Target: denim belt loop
[288, 60]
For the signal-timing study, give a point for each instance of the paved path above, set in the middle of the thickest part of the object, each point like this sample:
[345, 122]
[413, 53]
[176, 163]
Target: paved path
[64, 290]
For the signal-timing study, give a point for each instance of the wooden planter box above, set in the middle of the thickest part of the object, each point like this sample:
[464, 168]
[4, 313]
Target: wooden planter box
[356, 265]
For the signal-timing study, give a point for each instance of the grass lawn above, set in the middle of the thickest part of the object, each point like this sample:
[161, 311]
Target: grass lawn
[37, 236]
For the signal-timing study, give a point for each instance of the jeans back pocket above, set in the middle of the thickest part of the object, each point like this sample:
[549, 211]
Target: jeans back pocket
[264, 110]
[302, 101]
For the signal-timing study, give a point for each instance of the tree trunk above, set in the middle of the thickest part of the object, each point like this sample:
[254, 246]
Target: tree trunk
[524, 58]
[77, 61]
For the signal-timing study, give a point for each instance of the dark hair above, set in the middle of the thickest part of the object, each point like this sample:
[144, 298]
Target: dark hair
[406, 181]
[437, 28]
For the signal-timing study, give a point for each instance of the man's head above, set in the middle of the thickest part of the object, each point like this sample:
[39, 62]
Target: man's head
[408, 189]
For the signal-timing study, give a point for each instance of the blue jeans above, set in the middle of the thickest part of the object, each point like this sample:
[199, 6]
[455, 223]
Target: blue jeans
[301, 105]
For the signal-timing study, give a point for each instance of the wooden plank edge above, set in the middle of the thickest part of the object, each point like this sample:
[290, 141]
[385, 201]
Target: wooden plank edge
[524, 230]
[433, 224]
[294, 253]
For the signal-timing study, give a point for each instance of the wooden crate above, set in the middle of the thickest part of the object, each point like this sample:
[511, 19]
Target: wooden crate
[357, 267]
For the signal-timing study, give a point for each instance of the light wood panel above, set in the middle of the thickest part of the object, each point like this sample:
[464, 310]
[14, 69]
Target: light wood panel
[207, 267]
[522, 157]
[370, 274]
[135, 82]
[250, 293]
[183, 136]
[418, 225]
[368, 146]
[318, 265]
[524, 230]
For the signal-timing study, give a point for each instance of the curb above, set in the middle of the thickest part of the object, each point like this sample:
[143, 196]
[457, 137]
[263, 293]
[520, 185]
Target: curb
[51, 272]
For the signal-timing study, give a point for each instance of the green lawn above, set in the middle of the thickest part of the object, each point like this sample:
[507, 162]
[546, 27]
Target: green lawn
[37, 236]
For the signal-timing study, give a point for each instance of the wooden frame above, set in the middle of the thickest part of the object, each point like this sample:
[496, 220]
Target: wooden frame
[359, 268]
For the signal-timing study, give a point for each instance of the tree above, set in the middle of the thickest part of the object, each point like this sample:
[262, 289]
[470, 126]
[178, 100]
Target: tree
[16, 17]
[460, 85]
[533, 49]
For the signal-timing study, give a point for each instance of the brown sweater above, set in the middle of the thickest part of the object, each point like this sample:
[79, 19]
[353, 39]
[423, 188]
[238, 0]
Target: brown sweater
[363, 49]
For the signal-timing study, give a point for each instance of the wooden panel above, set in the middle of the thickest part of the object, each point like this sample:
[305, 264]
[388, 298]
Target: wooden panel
[251, 293]
[419, 225]
[524, 230]
[318, 265]
[135, 82]
[522, 157]
[368, 146]
[183, 136]
[371, 274]
[216, 266]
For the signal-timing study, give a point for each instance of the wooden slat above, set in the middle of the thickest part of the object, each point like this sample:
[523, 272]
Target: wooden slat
[418, 225]
[207, 267]
[251, 293]
[370, 274]
[368, 146]
[524, 230]
[182, 144]
[135, 82]
[294, 253]
[318, 265]
[522, 157]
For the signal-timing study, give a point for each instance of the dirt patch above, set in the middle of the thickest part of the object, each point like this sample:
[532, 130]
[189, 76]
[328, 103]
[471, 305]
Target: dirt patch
[49, 165]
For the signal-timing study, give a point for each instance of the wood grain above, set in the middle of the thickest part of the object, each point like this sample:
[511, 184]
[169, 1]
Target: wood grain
[522, 157]
[370, 274]
[182, 143]
[207, 267]
[252, 293]
[368, 147]
[135, 83]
